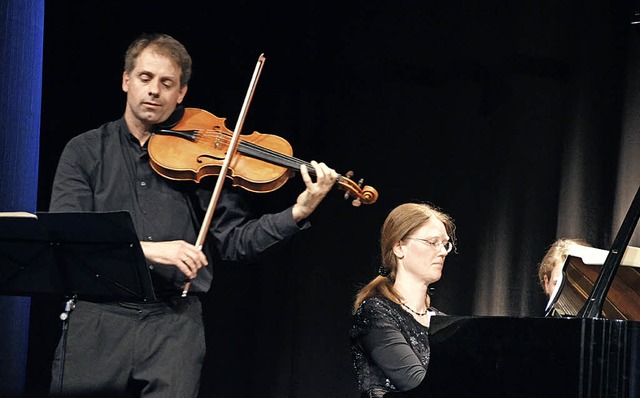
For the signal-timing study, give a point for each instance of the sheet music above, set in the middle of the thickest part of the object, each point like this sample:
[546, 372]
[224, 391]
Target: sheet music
[594, 256]
[17, 214]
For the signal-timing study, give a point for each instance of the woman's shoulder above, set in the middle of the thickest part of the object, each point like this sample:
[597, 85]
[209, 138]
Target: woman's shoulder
[377, 304]
[377, 311]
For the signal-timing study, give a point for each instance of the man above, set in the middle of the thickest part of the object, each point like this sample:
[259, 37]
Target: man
[550, 268]
[156, 349]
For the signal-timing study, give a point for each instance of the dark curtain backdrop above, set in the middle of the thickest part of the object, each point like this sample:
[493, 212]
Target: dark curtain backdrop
[517, 118]
[21, 36]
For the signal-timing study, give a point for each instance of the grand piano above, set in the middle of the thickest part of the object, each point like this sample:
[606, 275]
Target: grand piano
[586, 346]
[531, 357]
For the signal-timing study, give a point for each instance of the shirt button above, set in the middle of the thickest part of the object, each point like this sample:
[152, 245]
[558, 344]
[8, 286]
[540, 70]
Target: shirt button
[149, 237]
[151, 267]
[142, 183]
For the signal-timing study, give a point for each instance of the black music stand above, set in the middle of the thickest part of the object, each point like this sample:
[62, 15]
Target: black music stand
[94, 256]
[88, 255]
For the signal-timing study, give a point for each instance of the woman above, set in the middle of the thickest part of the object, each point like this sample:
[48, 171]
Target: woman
[389, 336]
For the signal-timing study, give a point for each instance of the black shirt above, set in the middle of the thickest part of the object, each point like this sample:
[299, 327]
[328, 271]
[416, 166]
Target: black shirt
[106, 169]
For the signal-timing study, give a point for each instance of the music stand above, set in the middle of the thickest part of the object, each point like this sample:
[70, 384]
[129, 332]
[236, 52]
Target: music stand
[93, 256]
[88, 255]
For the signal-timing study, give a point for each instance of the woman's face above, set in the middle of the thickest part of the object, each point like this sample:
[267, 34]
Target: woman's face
[422, 253]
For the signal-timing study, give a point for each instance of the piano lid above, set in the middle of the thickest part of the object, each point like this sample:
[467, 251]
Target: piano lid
[579, 274]
[594, 304]
[588, 288]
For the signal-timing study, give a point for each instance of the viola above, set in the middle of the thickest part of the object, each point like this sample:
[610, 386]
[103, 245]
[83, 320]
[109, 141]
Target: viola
[196, 146]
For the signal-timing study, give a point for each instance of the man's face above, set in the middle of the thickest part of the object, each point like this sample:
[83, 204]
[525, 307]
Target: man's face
[556, 276]
[153, 89]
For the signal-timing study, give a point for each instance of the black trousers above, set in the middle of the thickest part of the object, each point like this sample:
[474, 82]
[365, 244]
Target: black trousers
[131, 350]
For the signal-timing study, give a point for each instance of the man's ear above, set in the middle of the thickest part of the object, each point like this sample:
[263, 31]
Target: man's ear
[183, 93]
[125, 82]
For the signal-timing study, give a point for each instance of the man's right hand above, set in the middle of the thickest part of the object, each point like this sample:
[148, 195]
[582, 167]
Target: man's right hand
[178, 253]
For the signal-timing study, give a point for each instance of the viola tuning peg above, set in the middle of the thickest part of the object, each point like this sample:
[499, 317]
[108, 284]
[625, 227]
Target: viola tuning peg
[356, 203]
[349, 174]
[346, 195]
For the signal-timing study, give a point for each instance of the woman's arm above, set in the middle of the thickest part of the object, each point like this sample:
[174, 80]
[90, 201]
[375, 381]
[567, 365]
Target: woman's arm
[390, 351]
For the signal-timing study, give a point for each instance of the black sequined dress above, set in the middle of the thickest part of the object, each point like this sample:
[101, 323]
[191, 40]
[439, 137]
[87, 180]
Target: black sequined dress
[390, 348]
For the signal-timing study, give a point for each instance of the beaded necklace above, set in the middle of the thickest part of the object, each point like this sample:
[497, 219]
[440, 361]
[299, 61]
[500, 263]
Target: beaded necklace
[415, 312]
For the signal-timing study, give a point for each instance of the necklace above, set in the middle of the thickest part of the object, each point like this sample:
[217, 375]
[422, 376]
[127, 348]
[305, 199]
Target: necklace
[415, 312]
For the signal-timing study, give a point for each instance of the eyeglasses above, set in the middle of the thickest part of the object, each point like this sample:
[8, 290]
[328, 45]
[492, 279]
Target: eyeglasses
[447, 245]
